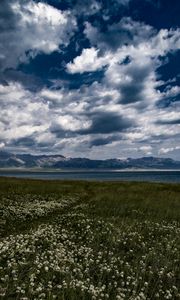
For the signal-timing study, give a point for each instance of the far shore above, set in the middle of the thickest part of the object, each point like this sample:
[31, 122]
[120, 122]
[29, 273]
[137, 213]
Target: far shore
[83, 170]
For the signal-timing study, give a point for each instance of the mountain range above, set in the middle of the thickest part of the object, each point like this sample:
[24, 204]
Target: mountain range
[10, 160]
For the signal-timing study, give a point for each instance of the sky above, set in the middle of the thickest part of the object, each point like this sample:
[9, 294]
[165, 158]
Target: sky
[90, 78]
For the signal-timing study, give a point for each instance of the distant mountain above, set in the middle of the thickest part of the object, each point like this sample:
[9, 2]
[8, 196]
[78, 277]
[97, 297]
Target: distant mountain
[10, 160]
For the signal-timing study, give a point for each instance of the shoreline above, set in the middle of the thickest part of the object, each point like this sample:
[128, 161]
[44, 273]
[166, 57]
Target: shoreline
[85, 170]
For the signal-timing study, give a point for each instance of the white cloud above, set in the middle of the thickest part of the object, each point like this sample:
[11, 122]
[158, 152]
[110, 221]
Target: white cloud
[136, 35]
[135, 82]
[51, 95]
[22, 113]
[38, 27]
[88, 61]
[167, 150]
[68, 118]
[72, 123]
[58, 119]
[146, 149]
[2, 145]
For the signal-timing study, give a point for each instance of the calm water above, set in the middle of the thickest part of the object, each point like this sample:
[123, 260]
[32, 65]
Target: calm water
[157, 176]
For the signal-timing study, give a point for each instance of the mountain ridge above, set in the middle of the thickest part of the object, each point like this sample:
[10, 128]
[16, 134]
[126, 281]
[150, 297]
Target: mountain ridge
[10, 160]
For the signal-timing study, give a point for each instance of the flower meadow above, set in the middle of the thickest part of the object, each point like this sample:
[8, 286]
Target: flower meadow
[82, 240]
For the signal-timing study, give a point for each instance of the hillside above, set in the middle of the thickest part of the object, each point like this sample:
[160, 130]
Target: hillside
[10, 160]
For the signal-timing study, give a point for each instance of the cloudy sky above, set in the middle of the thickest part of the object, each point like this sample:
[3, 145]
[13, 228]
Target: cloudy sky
[90, 78]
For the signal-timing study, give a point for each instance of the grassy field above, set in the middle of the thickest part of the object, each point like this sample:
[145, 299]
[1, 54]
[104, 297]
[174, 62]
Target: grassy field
[87, 240]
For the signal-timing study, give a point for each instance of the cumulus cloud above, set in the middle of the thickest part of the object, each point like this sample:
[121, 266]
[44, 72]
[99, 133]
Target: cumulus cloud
[22, 114]
[88, 61]
[167, 150]
[131, 59]
[146, 149]
[101, 141]
[63, 119]
[107, 122]
[120, 115]
[125, 32]
[29, 27]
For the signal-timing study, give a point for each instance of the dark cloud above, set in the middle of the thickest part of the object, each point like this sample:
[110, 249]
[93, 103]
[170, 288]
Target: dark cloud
[168, 122]
[24, 142]
[113, 97]
[103, 141]
[7, 18]
[59, 132]
[7, 26]
[107, 122]
[31, 82]
[169, 101]
[31, 143]
[125, 32]
[101, 123]
[132, 92]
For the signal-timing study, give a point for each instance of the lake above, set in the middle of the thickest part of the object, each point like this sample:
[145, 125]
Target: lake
[100, 175]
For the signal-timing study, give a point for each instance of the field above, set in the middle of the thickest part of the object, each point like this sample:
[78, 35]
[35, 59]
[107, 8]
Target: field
[87, 240]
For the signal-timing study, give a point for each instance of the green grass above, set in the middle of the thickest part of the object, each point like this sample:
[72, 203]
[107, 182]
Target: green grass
[89, 240]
